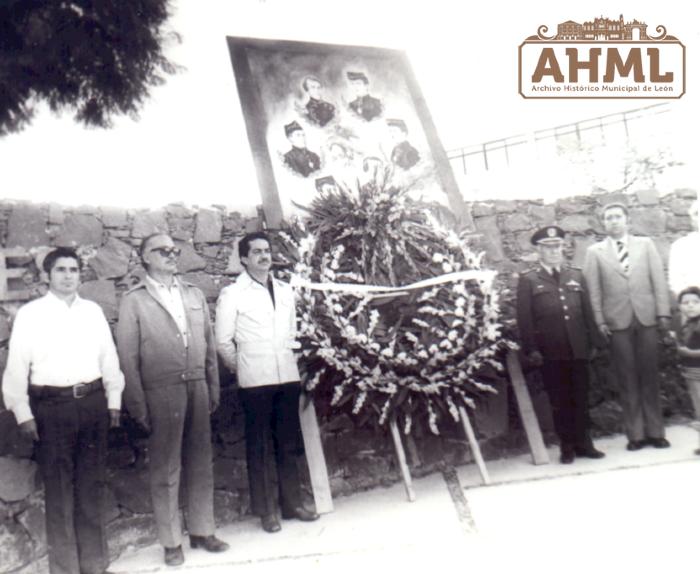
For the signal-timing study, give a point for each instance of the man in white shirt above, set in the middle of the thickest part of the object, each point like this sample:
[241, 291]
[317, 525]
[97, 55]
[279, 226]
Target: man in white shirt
[683, 266]
[255, 335]
[64, 386]
[167, 351]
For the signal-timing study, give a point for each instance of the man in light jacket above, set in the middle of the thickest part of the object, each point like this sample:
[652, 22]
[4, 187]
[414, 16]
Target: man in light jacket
[255, 331]
[630, 303]
[166, 348]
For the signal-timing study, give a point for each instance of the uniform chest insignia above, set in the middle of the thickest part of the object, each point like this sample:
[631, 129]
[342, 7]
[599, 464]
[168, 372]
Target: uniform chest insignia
[573, 283]
[539, 286]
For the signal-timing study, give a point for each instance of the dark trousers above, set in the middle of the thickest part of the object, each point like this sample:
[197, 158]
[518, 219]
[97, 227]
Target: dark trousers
[567, 387]
[272, 416]
[635, 356]
[72, 456]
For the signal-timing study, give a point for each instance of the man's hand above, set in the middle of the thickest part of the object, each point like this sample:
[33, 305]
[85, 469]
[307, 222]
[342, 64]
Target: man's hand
[535, 358]
[664, 324]
[605, 331]
[114, 418]
[28, 429]
[144, 425]
[213, 404]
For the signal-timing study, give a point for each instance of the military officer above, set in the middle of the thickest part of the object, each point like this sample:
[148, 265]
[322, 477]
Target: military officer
[299, 159]
[318, 110]
[365, 106]
[403, 155]
[557, 331]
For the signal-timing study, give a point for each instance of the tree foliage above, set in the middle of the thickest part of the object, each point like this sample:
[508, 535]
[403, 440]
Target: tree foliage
[95, 58]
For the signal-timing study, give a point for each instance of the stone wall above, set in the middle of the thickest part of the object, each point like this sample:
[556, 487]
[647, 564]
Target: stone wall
[357, 458]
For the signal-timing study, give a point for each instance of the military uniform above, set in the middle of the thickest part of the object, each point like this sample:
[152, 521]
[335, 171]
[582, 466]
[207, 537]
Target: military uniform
[319, 111]
[367, 107]
[302, 161]
[555, 319]
[405, 155]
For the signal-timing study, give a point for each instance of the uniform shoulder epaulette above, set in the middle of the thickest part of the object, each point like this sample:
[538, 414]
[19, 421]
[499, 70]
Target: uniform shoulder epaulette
[528, 271]
[575, 267]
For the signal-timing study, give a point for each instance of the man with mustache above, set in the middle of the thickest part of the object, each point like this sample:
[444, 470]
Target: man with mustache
[255, 336]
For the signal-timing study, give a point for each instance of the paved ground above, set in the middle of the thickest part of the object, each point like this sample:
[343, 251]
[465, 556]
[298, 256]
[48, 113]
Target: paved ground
[628, 512]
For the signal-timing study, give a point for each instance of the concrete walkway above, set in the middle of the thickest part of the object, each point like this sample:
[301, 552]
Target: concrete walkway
[629, 511]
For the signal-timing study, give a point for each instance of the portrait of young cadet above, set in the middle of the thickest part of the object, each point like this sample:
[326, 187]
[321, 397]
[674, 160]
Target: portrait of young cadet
[167, 351]
[630, 300]
[318, 111]
[300, 159]
[363, 105]
[403, 154]
[255, 336]
[64, 386]
[558, 333]
[683, 266]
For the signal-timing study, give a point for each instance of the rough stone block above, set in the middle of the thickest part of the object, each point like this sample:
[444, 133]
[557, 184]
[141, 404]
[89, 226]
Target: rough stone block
[4, 328]
[679, 206]
[112, 259]
[181, 229]
[649, 221]
[488, 227]
[34, 522]
[147, 222]
[233, 223]
[12, 442]
[543, 214]
[517, 222]
[480, 209]
[648, 197]
[227, 507]
[234, 266]
[104, 293]
[80, 229]
[205, 282]
[189, 260]
[56, 214]
[131, 490]
[252, 224]
[581, 244]
[179, 210]
[208, 227]
[130, 532]
[569, 206]
[505, 206]
[114, 217]
[679, 223]
[18, 478]
[577, 223]
[26, 227]
[230, 474]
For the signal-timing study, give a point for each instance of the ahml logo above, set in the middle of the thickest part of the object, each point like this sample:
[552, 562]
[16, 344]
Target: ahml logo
[602, 58]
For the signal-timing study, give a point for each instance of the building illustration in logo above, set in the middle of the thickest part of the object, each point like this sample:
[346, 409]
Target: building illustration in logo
[602, 58]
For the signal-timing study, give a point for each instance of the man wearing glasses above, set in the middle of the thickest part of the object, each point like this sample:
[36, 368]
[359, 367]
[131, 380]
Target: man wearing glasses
[167, 352]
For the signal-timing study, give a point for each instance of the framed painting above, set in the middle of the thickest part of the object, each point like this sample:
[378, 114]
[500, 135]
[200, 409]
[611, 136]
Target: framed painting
[320, 116]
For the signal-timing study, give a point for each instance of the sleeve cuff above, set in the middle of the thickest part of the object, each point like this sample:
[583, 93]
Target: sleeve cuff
[23, 413]
[114, 401]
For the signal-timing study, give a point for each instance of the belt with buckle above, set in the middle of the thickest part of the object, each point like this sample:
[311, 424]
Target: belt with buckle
[75, 391]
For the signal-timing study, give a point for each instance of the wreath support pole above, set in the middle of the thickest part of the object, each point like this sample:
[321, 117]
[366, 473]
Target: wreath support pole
[401, 455]
[527, 411]
[474, 445]
[318, 472]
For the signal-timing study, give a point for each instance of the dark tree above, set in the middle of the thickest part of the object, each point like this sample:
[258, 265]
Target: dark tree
[95, 58]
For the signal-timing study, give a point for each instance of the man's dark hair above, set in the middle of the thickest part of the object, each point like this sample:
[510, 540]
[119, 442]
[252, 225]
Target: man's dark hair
[244, 244]
[689, 291]
[53, 256]
[615, 205]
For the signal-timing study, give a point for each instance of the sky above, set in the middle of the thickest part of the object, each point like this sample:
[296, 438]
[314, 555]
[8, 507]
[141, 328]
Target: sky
[190, 145]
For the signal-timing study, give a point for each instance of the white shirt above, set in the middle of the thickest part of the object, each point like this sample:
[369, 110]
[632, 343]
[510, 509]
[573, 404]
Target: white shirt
[59, 345]
[254, 337]
[172, 299]
[684, 262]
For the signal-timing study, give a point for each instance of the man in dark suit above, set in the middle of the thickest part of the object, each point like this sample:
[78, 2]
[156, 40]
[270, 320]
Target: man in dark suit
[630, 303]
[318, 110]
[403, 155]
[364, 105]
[557, 330]
[299, 159]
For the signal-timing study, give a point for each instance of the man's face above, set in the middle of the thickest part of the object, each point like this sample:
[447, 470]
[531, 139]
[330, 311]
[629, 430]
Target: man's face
[314, 89]
[690, 305]
[297, 138]
[64, 277]
[551, 254]
[259, 259]
[615, 222]
[161, 255]
[360, 88]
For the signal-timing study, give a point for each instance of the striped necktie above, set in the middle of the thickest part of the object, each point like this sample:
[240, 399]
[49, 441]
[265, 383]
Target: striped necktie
[623, 256]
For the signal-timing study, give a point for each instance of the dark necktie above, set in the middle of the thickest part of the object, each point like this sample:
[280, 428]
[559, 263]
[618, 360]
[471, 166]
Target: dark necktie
[623, 256]
[555, 274]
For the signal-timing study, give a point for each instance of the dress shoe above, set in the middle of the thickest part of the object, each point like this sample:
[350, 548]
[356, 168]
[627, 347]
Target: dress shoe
[174, 556]
[270, 523]
[300, 513]
[567, 457]
[589, 452]
[658, 442]
[635, 444]
[210, 543]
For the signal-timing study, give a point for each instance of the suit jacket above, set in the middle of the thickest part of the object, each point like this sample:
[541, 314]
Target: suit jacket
[616, 296]
[555, 318]
[368, 107]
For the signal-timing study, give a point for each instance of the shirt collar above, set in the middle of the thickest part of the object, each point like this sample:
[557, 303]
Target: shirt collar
[55, 300]
[159, 285]
[549, 268]
[247, 280]
[624, 239]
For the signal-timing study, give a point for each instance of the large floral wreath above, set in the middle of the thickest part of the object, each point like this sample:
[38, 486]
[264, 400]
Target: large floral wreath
[412, 356]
